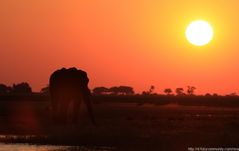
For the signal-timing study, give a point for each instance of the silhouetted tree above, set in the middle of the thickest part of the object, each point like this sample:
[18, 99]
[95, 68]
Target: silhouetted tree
[114, 90]
[4, 89]
[179, 91]
[150, 91]
[145, 93]
[232, 94]
[121, 90]
[152, 87]
[208, 94]
[168, 91]
[126, 90]
[191, 90]
[45, 90]
[100, 90]
[23, 87]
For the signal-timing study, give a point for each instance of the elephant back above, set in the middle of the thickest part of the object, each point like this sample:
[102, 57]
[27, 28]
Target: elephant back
[68, 80]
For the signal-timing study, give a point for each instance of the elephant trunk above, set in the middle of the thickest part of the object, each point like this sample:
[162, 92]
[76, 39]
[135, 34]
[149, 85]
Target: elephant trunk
[88, 102]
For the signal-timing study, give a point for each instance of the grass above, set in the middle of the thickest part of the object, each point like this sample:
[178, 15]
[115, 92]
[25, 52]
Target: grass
[127, 123]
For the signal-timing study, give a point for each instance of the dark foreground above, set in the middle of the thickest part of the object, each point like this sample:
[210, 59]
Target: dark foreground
[124, 126]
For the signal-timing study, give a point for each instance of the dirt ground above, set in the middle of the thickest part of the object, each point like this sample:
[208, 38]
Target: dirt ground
[124, 126]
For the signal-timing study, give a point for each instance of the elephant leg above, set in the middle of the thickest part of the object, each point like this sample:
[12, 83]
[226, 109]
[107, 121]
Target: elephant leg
[55, 108]
[63, 108]
[58, 114]
[87, 101]
[76, 110]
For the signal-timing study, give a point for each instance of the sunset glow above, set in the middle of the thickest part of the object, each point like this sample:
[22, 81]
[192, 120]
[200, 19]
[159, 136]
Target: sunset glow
[129, 42]
[199, 33]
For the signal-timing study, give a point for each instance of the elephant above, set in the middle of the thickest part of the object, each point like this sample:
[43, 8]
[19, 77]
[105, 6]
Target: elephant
[69, 86]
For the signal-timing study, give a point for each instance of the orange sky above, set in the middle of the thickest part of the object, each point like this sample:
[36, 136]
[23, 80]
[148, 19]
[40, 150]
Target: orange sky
[125, 42]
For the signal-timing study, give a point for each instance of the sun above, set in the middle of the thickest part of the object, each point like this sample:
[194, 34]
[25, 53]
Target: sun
[199, 33]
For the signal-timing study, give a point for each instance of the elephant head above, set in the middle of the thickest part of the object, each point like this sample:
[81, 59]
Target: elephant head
[67, 86]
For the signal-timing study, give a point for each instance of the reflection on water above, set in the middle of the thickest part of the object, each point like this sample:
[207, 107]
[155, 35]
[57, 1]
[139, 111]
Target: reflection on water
[11, 146]
[27, 147]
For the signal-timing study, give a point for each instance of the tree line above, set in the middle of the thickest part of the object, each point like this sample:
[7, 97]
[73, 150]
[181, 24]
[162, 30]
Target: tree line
[116, 90]
[25, 88]
[127, 90]
[22, 87]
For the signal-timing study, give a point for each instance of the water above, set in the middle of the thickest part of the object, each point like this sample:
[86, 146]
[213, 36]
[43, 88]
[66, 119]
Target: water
[27, 147]
[11, 146]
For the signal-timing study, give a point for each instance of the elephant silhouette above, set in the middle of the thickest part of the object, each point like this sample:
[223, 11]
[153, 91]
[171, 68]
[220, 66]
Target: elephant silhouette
[69, 86]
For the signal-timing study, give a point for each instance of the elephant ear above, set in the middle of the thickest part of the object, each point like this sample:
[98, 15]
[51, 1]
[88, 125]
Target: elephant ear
[84, 78]
[85, 81]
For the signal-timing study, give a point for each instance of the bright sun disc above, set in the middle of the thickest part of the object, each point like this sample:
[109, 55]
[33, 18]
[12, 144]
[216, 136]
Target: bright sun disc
[199, 33]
